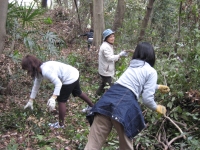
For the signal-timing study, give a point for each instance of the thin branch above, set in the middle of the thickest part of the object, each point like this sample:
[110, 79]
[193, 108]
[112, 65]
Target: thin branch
[178, 137]
[193, 126]
[175, 125]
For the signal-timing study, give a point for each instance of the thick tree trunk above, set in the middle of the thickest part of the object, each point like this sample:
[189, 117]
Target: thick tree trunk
[145, 20]
[44, 3]
[99, 25]
[119, 14]
[3, 17]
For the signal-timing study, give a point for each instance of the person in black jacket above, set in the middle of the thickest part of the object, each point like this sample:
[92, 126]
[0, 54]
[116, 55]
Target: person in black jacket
[89, 37]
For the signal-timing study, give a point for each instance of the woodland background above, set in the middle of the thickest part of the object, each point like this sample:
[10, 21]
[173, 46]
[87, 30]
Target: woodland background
[51, 33]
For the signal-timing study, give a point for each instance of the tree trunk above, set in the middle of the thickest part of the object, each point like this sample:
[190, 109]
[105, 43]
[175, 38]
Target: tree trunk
[79, 20]
[145, 20]
[66, 3]
[179, 29]
[91, 15]
[119, 14]
[73, 10]
[59, 2]
[44, 3]
[3, 17]
[99, 25]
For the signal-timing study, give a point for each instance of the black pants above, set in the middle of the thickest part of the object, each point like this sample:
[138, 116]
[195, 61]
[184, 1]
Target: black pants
[105, 81]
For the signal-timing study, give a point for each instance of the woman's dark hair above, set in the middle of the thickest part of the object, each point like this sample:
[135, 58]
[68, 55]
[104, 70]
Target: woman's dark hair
[145, 51]
[32, 65]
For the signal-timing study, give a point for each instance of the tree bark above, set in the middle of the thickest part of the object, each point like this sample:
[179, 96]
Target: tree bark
[91, 15]
[179, 28]
[66, 3]
[44, 3]
[3, 17]
[145, 20]
[99, 25]
[119, 14]
[79, 20]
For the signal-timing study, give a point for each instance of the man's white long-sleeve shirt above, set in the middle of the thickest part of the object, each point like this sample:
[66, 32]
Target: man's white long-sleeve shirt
[58, 73]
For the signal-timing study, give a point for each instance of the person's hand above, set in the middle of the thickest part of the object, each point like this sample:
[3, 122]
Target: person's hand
[123, 53]
[78, 35]
[29, 104]
[161, 109]
[51, 104]
[163, 88]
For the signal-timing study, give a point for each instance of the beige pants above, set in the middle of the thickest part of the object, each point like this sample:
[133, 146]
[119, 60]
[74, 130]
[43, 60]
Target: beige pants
[100, 130]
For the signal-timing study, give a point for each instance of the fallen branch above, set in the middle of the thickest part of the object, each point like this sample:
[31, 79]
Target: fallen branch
[175, 125]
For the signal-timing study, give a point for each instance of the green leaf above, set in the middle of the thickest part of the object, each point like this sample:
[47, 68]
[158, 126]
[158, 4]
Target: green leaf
[170, 105]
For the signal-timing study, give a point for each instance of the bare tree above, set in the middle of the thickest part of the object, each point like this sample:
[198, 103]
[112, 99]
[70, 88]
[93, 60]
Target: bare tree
[3, 17]
[145, 20]
[119, 14]
[99, 25]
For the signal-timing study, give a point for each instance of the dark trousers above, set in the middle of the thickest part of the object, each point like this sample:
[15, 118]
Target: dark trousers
[105, 81]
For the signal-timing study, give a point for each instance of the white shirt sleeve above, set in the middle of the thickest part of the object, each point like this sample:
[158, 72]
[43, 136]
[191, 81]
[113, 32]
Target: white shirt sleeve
[148, 92]
[36, 87]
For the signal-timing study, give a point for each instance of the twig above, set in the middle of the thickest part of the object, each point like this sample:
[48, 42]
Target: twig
[175, 125]
[178, 137]
[160, 127]
[193, 126]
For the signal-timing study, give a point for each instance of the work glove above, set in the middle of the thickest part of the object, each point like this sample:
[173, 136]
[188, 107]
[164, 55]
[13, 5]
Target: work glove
[161, 109]
[123, 53]
[29, 104]
[78, 35]
[163, 88]
[51, 104]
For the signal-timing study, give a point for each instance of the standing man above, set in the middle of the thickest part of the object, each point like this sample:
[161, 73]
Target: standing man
[89, 37]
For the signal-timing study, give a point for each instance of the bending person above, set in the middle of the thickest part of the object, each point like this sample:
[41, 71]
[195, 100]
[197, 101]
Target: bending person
[65, 79]
[119, 106]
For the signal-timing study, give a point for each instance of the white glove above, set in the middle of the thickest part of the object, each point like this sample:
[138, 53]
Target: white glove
[123, 53]
[29, 104]
[51, 104]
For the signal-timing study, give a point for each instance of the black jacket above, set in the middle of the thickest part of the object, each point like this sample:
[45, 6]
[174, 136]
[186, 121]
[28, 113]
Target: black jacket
[88, 34]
